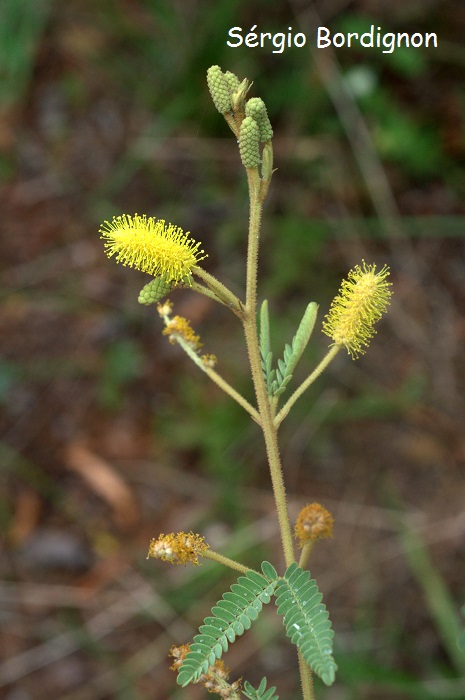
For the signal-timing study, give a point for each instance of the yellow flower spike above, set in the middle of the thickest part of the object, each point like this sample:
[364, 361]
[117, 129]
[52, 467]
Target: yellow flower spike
[361, 302]
[313, 523]
[179, 326]
[151, 245]
[178, 549]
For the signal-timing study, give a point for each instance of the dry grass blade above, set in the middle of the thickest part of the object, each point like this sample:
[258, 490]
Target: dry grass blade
[106, 483]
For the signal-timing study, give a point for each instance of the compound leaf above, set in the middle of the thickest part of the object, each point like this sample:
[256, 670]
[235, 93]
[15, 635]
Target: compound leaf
[231, 616]
[265, 346]
[307, 621]
[293, 353]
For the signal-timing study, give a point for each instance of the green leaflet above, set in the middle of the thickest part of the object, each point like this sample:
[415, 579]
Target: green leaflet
[293, 353]
[265, 346]
[231, 616]
[277, 379]
[261, 693]
[307, 621]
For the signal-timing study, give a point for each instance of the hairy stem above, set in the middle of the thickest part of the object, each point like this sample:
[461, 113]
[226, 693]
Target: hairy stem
[251, 336]
[306, 679]
[220, 291]
[330, 355]
[233, 393]
[305, 554]
[221, 559]
[269, 427]
[201, 289]
[214, 376]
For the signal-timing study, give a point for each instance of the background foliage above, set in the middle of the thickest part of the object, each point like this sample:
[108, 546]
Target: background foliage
[109, 436]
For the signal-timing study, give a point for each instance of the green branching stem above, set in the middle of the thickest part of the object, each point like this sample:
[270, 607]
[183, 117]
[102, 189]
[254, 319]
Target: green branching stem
[330, 355]
[214, 376]
[233, 393]
[220, 291]
[201, 289]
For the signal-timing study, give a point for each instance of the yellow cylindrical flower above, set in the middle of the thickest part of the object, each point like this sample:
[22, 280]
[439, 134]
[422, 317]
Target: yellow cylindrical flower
[363, 298]
[152, 246]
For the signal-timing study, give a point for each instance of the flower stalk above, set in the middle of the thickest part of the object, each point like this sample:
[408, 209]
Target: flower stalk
[226, 561]
[219, 291]
[319, 369]
[183, 335]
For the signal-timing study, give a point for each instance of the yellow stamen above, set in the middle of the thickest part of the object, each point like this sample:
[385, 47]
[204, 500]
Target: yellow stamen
[362, 300]
[151, 245]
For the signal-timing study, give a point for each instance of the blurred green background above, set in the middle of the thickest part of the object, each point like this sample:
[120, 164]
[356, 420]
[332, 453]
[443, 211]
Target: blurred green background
[110, 436]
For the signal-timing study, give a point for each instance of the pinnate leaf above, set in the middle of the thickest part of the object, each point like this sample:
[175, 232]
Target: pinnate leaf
[231, 616]
[307, 621]
[293, 352]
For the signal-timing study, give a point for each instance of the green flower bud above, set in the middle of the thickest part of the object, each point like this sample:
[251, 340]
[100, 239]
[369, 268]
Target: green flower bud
[233, 80]
[155, 290]
[238, 98]
[219, 89]
[267, 162]
[248, 143]
[256, 109]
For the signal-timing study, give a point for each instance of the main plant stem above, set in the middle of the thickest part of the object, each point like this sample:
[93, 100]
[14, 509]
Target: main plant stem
[251, 336]
[269, 428]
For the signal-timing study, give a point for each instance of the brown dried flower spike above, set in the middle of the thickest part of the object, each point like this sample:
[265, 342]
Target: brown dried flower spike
[178, 653]
[178, 549]
[180, 327]
[216, 678]
[314, 522]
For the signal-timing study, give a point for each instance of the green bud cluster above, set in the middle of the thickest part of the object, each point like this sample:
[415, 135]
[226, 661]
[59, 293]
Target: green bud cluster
[256, 108]
[249, 143]
[155, 290]
[219, 87]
